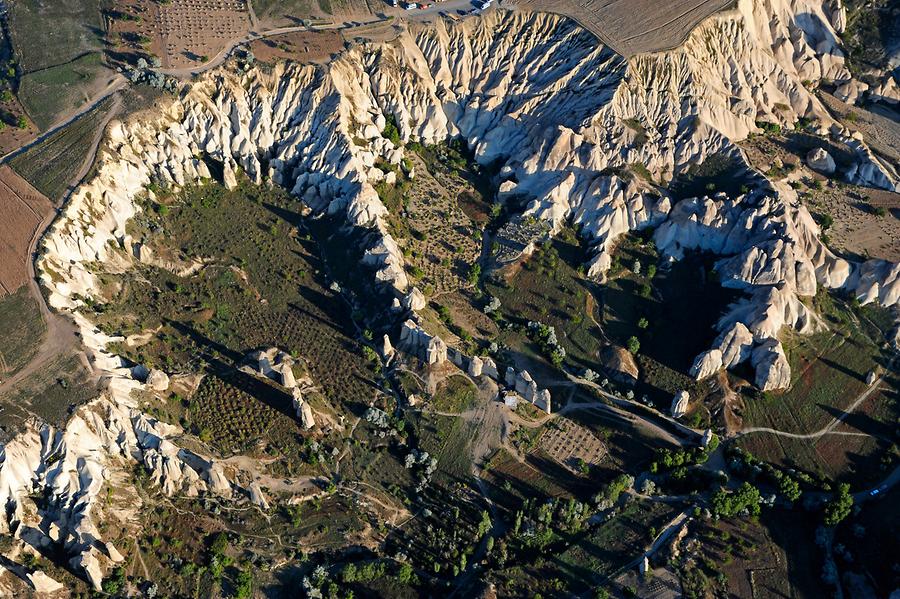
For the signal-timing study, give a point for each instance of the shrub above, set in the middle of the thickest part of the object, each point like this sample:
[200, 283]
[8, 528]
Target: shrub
[391, 132]
[634, 345]
[731, 504]
[840, 506]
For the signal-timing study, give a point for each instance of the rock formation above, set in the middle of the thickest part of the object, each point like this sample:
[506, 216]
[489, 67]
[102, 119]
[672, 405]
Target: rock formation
[303, 410]
[560, 112]
[417, 342]
[272, 363]
[821, 161]
[680, 404]
[619, 364]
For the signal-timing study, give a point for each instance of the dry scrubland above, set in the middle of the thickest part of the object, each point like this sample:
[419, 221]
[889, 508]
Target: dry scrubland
[858, 221]
[301, 46]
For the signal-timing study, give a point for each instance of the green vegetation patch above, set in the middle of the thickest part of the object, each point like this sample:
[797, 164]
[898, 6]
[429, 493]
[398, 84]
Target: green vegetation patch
[21, 329]
[51, 164]
[550, 289]
[52, 92]
[617, 541]
[263, 284]
[455, 394]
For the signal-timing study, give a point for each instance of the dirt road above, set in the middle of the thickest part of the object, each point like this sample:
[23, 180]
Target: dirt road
[61, 335]
[829, 428]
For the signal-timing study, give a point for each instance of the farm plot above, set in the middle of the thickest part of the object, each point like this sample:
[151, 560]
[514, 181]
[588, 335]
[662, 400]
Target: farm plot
[572, 445]
[184, 33]
[630, 27]
[23, 209]
[21, 329]
[511, 480]
[59, 46]
[50, 94]
[613, 543]
[51, 164]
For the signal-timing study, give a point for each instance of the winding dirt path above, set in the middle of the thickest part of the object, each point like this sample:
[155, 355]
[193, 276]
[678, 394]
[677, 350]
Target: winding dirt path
[61, 334]
[829, 428]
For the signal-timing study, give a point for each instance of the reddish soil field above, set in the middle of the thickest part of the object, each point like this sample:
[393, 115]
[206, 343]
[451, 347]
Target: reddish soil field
[12, 137]
[300, 46]
[23, 209]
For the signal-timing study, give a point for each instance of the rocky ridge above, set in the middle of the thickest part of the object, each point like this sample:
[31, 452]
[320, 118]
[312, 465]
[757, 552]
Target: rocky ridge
[533, 91]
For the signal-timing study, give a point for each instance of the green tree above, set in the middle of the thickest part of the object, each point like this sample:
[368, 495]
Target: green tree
[405, 574]
[840, 506]
[731, 504]
[634, 345]
[391, 132]
[243, 588]
[790, 488]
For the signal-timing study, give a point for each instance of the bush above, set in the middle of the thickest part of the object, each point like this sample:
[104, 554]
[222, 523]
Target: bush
[391, 132]
[790, 488]
[731, 504]
[634, 345]
[840, 506]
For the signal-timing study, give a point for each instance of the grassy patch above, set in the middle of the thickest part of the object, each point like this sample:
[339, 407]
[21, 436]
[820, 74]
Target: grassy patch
[47, 33]
[50, 165]
[21, 329]
[49, 93]
[448, 439]
[550, 289]
[455, 394]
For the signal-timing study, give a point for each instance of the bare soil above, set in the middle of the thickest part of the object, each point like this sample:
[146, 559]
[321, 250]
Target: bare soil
[24, 209]
[299, 46]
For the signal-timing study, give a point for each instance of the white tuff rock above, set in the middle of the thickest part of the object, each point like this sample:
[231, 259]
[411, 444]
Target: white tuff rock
[821, 161]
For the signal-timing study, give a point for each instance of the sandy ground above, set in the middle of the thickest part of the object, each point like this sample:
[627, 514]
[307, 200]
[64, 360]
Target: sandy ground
[634, 26]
